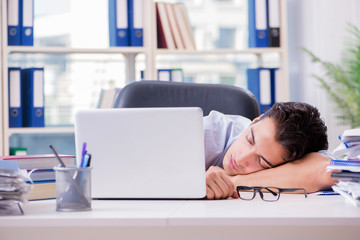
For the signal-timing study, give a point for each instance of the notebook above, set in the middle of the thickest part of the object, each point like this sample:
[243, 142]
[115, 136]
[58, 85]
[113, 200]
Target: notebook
[144, 153]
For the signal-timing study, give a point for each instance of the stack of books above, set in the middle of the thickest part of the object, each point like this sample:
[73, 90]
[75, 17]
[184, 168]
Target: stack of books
[173, 27]
[347, 166]
[12, 188]
[40, 169]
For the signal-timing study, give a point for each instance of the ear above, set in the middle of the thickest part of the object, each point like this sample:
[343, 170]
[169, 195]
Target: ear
[256, 119]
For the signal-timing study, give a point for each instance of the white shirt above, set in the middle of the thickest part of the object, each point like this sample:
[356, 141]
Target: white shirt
[220, 131]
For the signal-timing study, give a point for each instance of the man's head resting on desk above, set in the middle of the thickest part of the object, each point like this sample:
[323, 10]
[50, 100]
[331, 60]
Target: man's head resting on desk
[284, 133]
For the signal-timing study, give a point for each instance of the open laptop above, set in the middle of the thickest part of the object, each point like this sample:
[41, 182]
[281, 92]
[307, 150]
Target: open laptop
[144, 153]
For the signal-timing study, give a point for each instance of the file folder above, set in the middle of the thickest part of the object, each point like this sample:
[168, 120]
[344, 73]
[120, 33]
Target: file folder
[118, 23]
[258, 30]
[15, 109]
[136, 22]
[164, 74]
[274, 23]
[266, 89]
[13, 11]
[33, 97]
[27, 20]
[261, 82]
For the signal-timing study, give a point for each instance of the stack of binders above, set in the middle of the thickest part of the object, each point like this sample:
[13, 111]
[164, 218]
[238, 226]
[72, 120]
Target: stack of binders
[126, 23]
[20, 22]
[264, 23]
[26, 97]
[347, 166]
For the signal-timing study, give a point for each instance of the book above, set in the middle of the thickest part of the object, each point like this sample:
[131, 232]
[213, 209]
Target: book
[42, 175]
[41, 190]
[184, 25]
[44, 161]
[174, 26]
[165, 37]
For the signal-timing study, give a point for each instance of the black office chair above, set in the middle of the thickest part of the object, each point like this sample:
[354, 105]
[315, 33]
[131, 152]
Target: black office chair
[223, 98]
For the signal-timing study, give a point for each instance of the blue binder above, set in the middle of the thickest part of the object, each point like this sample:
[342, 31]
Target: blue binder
[164, 74]
[118, 23]
[27, 22]
[13, 11]
[14, 90]
[33, 97]
[136, 22]
[261, 82]
[258, 23]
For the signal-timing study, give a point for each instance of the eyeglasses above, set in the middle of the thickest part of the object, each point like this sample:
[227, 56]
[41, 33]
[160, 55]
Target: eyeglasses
[269, 194]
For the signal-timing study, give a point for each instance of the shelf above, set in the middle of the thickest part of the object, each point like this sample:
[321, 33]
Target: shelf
[258, 51]
[11, 131]
[64, 50]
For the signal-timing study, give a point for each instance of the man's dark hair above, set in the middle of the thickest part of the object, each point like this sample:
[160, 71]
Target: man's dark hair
[299, 128]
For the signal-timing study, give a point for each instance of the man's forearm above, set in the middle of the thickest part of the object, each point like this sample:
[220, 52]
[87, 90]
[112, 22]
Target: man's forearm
[309, 173]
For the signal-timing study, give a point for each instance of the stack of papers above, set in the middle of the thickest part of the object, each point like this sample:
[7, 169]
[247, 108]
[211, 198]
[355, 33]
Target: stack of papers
[12, 187]
[348, 166]
[349, 147]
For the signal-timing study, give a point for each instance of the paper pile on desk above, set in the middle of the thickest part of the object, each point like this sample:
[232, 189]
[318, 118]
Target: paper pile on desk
[12, 187]
[347, 166]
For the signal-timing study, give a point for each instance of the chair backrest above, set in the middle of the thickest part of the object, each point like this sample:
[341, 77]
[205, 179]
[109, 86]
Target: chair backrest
[223, 98]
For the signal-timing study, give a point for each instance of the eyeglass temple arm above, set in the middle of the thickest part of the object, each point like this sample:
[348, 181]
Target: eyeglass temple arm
[294, 190]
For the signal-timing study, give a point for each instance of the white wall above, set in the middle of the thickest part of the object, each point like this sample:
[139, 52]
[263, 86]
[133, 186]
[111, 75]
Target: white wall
[320, 26]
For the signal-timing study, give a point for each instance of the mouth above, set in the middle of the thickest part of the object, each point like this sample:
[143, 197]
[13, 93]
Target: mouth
[233, 164]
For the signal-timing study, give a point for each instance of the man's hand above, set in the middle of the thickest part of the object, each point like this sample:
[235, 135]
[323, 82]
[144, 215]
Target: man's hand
[218, 184]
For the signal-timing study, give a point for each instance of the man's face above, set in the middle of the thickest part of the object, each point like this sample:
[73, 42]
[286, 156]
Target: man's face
[254, 150]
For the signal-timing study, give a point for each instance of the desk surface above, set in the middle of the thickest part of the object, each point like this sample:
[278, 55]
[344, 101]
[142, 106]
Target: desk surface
[289, 210]
[293, 216]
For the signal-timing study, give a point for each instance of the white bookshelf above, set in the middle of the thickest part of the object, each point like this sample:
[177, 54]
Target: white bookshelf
[149, 50]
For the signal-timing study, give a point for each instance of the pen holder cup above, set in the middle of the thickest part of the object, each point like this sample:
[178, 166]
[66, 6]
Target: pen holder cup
[73, 189]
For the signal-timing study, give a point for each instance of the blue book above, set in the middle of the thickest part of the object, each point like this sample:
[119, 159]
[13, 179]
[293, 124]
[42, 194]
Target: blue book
[27, 22]
[8, 164]
[258, 23]
[15, 101]
[118, 23]
[136, 22]
[14, 14]
[33, 97]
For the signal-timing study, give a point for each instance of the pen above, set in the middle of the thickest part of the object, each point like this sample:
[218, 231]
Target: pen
[83, 151]
[86, 162]
[57, 156]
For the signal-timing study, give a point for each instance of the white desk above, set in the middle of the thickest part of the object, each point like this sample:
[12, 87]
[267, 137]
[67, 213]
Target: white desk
[292, 217]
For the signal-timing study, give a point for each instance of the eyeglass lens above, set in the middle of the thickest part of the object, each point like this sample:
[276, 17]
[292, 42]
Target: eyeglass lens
[266, 193]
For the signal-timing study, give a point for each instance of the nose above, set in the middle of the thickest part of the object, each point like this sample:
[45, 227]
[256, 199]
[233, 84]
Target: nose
[249, 160]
